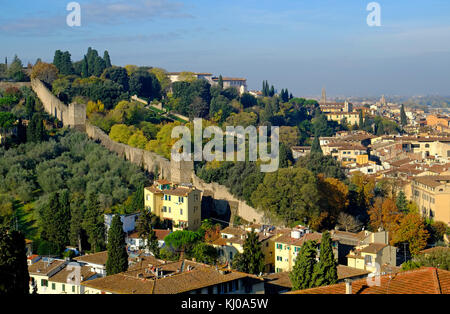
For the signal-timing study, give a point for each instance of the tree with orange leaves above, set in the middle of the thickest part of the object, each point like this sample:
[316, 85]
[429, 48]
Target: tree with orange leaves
[384, 214]
[45, 72]
[412, 230]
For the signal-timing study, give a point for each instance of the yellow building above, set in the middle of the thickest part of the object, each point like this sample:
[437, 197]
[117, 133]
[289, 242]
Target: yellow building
[40, 273]
[352, 118]
[347, 153]
[59, 277]
[179, 204]
[232, 240]
[432, 196]
[288, 245]
[372, 257]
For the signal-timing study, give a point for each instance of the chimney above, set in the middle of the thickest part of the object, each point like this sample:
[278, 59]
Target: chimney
[348, 286]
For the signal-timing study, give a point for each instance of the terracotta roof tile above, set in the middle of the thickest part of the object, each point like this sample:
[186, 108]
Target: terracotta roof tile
[421, 281]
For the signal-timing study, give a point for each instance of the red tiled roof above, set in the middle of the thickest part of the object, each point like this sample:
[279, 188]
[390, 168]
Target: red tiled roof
[426, 280]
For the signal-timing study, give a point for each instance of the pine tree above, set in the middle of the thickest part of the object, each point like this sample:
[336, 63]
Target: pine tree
[93, 223]
[14, 276]
[403, 118]
[315, 147]
[107, 59]
[325, 272]
[302, 272]
[251, 261]
[117, 261]
[220, 82]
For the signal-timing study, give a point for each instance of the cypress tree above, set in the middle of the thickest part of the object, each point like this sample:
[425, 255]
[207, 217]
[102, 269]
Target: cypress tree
[286, 158]
[14, 276]
[64, 215]
[137, 202]
[76, 218]
[251, 260]
[403, 118]
[117, 253]
[302, 272]
[152, 243]
[93, 223]
[107, 59]
[220, 81]
[315, 147]
[85, 67]
[361, 119]
[401, 202]
[36, 130]
[325, 272]
[57, 59]
[272, 91]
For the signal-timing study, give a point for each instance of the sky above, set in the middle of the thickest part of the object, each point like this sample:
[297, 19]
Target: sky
[295, 44]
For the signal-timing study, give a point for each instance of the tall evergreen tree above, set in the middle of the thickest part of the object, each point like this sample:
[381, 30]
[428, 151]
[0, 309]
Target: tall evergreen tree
[401, 202]
[325, 272]
[85, 68]
[272, 91]
[36, 131]
[403, 118]
[361, 119]
[251, 260]
[14, 276]
[220, 82]
[76, 219]
[117, 261]
[107, 59]
[93, 223]
[286, 158]
[137, 202]
[315, 147]
[303, 270]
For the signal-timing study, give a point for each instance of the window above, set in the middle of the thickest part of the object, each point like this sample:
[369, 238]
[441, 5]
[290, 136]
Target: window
[164, 209]
[279, 246]
[53, 286]
[148, 197]
[181, 211]
[73, 289]
[368, 259]
[181, 199]
[279, 259]
[63, 287]
[44, 283]
[170, 209]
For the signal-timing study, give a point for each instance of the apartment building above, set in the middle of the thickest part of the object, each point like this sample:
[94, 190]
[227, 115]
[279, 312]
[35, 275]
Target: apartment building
[347, 153]
[352, 118]
[179, 205]
[288, 245]
[53, 276]
[232, 240]
[432, 196]
[184, 276]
